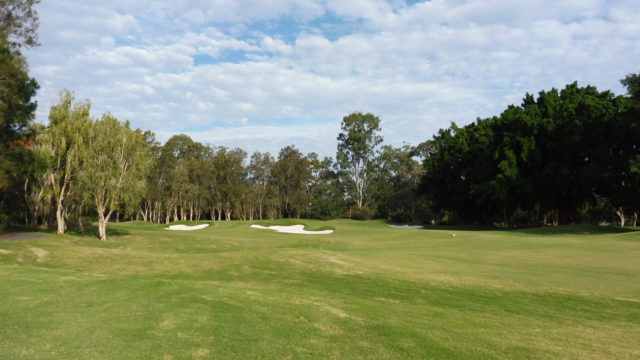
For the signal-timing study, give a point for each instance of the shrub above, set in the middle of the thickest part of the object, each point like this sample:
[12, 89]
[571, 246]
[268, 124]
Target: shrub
[362, 213]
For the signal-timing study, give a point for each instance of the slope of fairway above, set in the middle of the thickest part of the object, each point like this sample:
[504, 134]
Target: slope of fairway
[367, 291]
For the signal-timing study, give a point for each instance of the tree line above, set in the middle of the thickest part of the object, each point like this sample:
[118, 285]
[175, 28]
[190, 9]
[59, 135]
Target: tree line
[83, 166]
[563, 156]
[559, 157]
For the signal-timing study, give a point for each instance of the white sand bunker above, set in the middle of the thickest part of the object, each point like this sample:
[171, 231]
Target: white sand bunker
[406, 226]
[187, 227]
[293, 229]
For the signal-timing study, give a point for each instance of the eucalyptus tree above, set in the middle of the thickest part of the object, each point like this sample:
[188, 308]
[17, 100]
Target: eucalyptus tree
[358, 144]
[325, 189]
[291, 174]
[228, 183]
[179, 180]
[259, 176]
[62, 146]
[115, 167]
[397, 182]
[19, 23]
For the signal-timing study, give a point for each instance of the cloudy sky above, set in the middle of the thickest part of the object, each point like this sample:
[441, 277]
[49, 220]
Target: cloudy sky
[262, 74]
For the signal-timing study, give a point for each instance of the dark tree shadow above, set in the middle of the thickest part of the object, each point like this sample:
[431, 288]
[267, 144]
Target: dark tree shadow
[542, 230]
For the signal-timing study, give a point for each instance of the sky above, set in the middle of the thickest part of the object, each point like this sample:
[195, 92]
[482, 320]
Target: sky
[264, 74]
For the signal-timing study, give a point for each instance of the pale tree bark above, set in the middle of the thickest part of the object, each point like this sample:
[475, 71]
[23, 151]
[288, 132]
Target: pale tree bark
[60, 211]
[102, 223]
[620, 213]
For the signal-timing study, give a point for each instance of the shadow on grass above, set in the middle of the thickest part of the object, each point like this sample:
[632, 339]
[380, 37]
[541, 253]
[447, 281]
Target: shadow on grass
[543, 230]
[91, 229]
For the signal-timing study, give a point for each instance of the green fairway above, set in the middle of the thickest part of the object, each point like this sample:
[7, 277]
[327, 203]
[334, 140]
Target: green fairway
[367, 291]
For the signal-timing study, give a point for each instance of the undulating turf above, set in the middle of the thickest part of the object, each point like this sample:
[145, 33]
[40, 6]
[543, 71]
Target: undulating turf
[365, 292]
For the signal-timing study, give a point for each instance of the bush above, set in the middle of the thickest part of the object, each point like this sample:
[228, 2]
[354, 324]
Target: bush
[362, 213]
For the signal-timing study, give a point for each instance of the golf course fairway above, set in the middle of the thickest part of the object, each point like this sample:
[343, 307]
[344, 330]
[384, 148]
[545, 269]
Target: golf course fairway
[366, 291]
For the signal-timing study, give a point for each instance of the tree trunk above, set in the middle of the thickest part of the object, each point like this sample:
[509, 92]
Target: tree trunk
[102, 224]
[620, 213]
[60, 217]
[635, 218]
[102, 229]
[80, 225]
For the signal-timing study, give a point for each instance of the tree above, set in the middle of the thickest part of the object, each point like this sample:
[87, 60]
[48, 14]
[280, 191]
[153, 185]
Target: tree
[632, 83]
[554, 158]
[62, 146]
[357, 148]
[115, 167]
[18, 25]
[291, 174]
[621, 171]
[325, 189]
[396, 183]
[19, 22]
[228, 182]
[259, 176]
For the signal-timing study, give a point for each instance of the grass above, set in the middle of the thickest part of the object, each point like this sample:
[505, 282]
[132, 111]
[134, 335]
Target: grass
[365, 292]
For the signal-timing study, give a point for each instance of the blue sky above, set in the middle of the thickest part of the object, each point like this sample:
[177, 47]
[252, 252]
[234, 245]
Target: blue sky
[265, 74]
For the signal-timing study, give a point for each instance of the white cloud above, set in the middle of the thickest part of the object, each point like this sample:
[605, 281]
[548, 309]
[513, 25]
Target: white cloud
[416, 66]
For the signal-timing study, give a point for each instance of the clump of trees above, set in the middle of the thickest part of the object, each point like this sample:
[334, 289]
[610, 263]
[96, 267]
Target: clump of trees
[82, 166]
[561, 157]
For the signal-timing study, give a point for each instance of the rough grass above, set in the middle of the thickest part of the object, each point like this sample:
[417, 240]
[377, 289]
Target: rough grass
[365, 292]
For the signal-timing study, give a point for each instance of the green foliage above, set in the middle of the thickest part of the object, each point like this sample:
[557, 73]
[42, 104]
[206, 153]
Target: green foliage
[114, 168]
[545, 159]
[17, 109]
[632, 83]
[358, 143]
[291, 175]
[19, 23]
[62, 148]
[395, 187]
[361, 213]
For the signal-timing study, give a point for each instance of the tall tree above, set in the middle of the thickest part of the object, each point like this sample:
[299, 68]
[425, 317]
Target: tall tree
[229, 182]
[396, 183]
[18, 25]
[326, 194]
[291, 173]
[259, 176]
[19, 22]
[63, 146]
[115, 167]
[358, 144]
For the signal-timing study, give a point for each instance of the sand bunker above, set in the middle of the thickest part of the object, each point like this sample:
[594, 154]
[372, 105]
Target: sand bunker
[293, 229]
[187, 227]
[406, 226]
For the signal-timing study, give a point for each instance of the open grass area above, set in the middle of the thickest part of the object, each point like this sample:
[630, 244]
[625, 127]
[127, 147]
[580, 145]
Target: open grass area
[365, 292]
